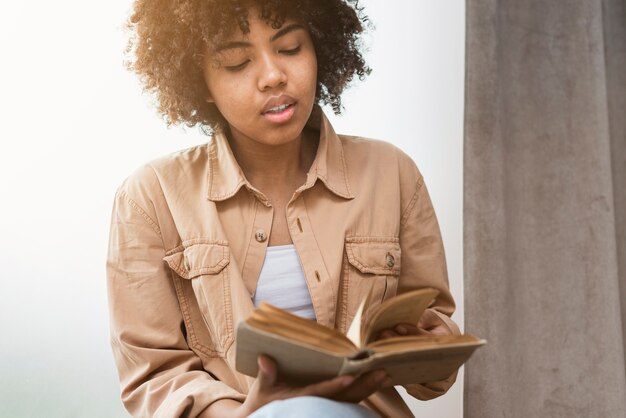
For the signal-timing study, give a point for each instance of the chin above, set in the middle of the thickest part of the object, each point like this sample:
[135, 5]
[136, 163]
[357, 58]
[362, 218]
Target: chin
[282, 134]
[274, 140]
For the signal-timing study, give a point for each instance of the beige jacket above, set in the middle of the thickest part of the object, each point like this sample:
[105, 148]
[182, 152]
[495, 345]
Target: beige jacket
[187, 243]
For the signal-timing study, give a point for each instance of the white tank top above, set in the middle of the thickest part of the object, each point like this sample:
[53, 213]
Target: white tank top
[282, 282]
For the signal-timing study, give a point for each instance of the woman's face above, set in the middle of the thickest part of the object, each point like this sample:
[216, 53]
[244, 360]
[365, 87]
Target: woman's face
[264, 82]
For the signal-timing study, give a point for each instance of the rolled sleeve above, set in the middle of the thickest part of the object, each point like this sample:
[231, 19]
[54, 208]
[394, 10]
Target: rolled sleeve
[160, 376]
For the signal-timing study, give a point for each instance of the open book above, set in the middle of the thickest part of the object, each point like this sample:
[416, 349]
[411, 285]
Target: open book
[308, 352]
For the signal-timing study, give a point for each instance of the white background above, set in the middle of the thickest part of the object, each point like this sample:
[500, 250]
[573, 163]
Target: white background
[74, 124]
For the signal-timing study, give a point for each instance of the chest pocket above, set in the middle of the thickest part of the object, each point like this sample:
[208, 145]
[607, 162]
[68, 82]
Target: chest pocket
[369, 262]
[205, 287]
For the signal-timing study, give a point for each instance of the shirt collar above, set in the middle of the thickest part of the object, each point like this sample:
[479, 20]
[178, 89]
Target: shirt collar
[226, 177]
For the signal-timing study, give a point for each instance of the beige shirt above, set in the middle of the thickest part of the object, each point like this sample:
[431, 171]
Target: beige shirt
[187, 243]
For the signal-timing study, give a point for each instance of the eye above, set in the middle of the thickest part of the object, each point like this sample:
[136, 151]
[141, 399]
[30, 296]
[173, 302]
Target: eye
[292, 51]
[238, 67]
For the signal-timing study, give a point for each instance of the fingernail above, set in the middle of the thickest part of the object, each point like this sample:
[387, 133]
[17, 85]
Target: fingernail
[401, 330]
[380, 376]
[347, 380]
[261, 363]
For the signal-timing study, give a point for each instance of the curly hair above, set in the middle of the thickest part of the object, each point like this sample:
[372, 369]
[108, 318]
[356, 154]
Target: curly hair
[169, 38]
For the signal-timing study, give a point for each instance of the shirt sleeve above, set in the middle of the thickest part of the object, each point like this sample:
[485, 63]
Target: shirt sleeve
[159, 375]
[424, 265]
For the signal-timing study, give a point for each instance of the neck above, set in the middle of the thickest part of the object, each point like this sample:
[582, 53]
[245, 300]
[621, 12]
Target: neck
[267, 165]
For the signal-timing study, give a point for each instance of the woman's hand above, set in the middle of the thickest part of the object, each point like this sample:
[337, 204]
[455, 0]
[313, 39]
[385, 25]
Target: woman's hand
[429, 324]
[266, 389]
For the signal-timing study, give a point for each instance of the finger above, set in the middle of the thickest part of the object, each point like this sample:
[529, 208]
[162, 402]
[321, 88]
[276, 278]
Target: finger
[327, 388]
[267, 372]
[387, 334]
[401, 329]
[406, 329]
[440, 330]
[429, 319]
[432, 324]
[364, 386]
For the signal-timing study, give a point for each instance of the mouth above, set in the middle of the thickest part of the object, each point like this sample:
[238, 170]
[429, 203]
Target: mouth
[279, 110]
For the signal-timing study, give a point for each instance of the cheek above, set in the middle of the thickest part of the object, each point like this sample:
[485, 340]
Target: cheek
[307, 73]
[231, 97]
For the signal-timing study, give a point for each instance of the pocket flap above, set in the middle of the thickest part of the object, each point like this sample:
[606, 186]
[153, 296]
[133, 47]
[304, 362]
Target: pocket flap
[196, 259]
[375, 256]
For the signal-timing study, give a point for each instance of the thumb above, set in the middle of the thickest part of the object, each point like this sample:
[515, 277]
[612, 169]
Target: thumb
[267, 371]
[428, 320]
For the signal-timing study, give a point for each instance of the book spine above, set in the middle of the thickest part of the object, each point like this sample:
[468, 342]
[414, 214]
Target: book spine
[358, 363]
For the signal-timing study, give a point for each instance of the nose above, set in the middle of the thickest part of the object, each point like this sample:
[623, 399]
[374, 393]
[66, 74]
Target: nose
[272, 74]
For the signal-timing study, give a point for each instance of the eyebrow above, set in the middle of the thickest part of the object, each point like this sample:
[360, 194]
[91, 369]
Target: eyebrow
[243, 44]
[232, 45]
[286, 30]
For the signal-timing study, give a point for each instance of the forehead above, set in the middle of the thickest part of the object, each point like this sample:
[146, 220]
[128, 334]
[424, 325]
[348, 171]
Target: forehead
[253, 25]
[268, 35]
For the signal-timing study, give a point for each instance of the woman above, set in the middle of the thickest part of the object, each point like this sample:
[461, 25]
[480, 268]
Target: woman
[276, 207]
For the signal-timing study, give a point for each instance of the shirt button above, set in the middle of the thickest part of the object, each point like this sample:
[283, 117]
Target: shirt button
[391, 261]
[260, 235]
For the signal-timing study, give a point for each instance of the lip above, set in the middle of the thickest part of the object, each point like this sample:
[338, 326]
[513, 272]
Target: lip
[283, 116]
[274, 101]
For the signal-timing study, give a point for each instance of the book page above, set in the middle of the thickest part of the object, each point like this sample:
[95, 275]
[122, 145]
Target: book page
[405, 308]
[298, 364]
[356, 332]
[423, 342]
[282, 323]
[426, 363]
